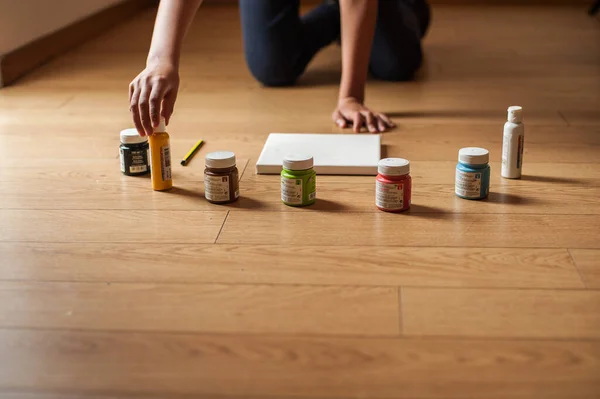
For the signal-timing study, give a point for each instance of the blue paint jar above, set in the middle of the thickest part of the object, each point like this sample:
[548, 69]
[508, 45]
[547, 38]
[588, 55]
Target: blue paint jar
[472, 173]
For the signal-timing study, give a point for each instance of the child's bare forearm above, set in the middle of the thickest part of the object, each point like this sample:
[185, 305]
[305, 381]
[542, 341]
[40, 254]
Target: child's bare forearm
[358, 18]
[172, 23]
[152, 94]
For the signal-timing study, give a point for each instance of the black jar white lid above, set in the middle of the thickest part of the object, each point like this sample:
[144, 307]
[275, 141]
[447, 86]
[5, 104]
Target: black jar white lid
[131, 136]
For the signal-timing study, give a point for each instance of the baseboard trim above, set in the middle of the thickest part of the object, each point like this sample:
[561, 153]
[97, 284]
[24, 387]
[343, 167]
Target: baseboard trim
[18, 63]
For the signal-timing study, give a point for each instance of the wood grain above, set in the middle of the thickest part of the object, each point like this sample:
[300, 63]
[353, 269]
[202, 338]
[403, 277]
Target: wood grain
[66, 170]
[411, 229]
[111, 226]
[209, 366]
[273, 264]
[266, 196]
[588, 264]
[443, 172]
[501, 313]
[63, 170]
[442, 142]
[201, 308]
[415, 142]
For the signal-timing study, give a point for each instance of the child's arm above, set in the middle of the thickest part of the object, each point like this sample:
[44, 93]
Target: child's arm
[359, 18]
[153, 92]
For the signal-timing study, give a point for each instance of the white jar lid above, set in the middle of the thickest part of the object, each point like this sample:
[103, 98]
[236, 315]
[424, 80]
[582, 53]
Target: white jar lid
[131, 136]
[515, 114]
[474, 156]
[220, 160]
[298, 162]
[393, 166]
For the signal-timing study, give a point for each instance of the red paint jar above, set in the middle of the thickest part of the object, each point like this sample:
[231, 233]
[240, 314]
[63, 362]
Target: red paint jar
[394, 185]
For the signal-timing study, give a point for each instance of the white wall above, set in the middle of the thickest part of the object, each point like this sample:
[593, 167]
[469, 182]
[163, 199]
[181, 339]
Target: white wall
[22, 21]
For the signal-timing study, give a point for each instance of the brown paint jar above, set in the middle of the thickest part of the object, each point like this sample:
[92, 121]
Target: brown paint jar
[221, 178]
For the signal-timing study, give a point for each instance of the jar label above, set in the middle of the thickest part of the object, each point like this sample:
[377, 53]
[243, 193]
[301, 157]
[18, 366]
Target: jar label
[139, 161]
[291, 191]
[468, 184]
[138, 169]
[165, 161]
[122, 157]
[216, 188]
[134, 162]
[312, 188]
[390, 196]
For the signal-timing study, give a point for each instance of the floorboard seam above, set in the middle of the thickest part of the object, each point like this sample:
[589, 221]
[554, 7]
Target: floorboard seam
[222, 226]
[564, 118]
[400, 312]
[268, 284]
[244, 171]
[304, 335]
[266, 244]
[581, 275]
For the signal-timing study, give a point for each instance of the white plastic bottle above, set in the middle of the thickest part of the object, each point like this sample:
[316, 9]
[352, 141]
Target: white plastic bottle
[512, 144]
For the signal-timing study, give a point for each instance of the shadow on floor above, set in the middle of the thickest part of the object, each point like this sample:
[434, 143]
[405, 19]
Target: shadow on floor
[140, 177]
[241, 203]
[552, 179]
[184, 192]
[323, 205]
[247, 203]
[511, 199]
[426, 212]
[444, 113]
[320, 77]
[384, 151]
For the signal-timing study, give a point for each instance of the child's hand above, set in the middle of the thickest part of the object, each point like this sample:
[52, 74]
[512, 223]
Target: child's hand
[351, 111]
[152, 94]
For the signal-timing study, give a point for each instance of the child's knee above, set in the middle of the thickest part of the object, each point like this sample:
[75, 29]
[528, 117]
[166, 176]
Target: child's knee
[273, 71]
[398, 69]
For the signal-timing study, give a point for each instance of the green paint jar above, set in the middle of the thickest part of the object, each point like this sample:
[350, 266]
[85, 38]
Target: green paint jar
[298, 181]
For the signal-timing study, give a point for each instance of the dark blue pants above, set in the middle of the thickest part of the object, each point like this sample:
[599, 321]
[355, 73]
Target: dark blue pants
[279, 43]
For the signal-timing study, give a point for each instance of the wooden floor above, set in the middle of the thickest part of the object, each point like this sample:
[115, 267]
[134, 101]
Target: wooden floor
[111, 290]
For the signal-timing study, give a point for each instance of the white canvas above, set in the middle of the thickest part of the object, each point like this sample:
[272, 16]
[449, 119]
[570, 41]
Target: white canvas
[334, 154]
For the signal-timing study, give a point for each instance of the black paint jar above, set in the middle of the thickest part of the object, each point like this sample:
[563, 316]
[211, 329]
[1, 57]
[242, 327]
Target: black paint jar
[134, 151]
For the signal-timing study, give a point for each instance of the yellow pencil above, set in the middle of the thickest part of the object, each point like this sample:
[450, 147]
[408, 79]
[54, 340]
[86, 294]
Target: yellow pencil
[190, 154]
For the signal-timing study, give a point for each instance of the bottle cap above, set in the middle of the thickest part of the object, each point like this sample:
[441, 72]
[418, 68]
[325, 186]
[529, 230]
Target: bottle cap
[298, 162]
[393, 166]
[473, 156]
[162, 126]
[515, 114]
[131, 136]
[220, 160]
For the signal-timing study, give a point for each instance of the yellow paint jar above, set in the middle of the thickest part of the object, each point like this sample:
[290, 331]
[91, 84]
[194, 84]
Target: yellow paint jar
[160, 158]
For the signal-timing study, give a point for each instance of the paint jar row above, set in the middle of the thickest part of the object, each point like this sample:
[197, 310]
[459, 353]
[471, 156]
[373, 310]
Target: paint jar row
[394, 184]
[298, 177]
